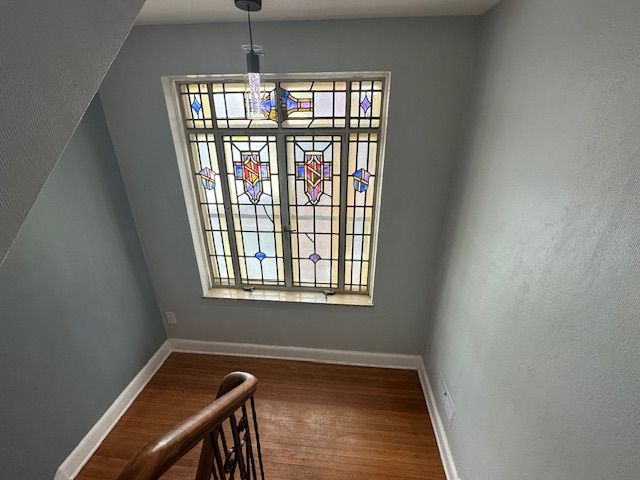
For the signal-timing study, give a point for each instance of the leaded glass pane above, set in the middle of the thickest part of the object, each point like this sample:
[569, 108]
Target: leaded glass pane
[194, 98]
[208, 188]
[252, 174]
[366, 104]
[313, 170]
[363, 154]
[313, 104]
[229, 100]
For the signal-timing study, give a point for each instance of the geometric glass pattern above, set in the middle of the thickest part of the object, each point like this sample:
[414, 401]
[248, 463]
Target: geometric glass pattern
[366, 104]
[313, 171]
[361, 180]
[195, 105]
[208, 178]
[287, 201]
[252, 172]
[313, 104]
[314, 209]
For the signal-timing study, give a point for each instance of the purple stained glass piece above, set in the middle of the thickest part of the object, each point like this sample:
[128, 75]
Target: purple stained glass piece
[315, 258]
[365, 104]
[208, 178]
[292, 104]
[261, 256]
[195, 105]
[254, 191]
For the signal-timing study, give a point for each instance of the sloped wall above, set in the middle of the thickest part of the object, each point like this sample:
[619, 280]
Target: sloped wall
[53, 56]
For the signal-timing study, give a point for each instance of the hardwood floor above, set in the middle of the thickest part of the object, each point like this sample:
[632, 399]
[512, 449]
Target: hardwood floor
[317, 421]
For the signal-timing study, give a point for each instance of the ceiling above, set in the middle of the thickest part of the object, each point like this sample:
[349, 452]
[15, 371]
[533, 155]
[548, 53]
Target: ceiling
[157, 12]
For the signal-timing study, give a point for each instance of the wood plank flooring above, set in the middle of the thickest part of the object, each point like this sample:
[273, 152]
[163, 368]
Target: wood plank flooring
[317, 421]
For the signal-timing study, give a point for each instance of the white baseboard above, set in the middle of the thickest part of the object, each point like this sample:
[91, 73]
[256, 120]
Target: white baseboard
[89, 444]
[446, 456]
[92, 440]
[319, 355]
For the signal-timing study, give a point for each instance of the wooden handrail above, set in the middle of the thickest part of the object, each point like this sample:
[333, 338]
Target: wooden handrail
[163, 452]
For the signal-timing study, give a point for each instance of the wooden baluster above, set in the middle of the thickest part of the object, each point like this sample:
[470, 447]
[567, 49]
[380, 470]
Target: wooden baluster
[249, 445]
[218, 458]
[237, 446]
[205, 464]
[255, 428]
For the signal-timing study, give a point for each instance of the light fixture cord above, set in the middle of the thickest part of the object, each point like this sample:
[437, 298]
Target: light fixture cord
[250, 34]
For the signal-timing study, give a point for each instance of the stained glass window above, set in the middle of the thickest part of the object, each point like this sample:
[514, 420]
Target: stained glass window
[289, 200]
[313, 169]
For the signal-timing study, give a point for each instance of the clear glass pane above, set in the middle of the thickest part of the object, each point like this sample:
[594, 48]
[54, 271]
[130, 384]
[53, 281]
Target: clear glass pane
[229, 100]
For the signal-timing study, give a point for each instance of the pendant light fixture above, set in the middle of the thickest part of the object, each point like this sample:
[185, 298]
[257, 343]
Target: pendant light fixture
[252, 80]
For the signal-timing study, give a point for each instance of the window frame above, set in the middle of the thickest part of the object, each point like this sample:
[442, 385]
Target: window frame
[180, 134]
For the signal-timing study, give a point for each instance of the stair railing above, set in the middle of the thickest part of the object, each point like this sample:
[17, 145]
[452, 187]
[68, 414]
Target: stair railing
[225, 429]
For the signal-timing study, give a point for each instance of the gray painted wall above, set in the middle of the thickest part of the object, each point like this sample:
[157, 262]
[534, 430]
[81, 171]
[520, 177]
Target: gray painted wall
[430, 61]
[79, 317]
[53, 56]
[536, 330]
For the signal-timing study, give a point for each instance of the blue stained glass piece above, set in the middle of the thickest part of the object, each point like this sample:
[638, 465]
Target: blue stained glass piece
[290, 102]
[264, 170]
[195, 105]
[365, 104]
[327, 171]
[361, 180]
[261, 256]
[238, 170]
[300, 170]
[266, 104]
[315, 258]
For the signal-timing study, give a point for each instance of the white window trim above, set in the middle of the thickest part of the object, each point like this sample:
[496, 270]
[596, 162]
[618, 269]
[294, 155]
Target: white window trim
[169, 85]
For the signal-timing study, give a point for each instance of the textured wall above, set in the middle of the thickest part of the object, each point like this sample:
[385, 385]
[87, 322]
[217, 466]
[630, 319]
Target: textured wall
[430, 61]
[79, 317]
[537, 331]
[53, 56]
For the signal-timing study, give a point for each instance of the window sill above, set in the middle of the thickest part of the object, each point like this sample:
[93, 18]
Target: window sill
[290, 297]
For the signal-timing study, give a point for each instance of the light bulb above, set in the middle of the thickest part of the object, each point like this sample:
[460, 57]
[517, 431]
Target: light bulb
[253, 95]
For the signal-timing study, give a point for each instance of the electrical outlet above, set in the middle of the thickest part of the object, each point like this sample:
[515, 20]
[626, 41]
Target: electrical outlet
[446, 401]
[171, 318]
